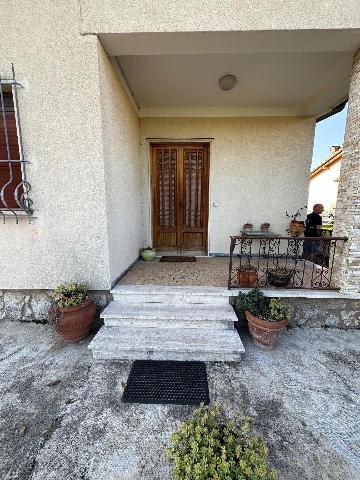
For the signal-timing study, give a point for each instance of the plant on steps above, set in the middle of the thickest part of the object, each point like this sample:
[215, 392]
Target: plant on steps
[210, 446]
[73, 311]
[266, 317]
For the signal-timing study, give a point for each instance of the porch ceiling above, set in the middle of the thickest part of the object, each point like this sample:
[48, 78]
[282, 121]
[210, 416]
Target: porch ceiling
[278, 73]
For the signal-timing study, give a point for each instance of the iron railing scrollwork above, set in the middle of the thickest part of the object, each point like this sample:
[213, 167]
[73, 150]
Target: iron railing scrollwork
[289, 262]
[14, 187]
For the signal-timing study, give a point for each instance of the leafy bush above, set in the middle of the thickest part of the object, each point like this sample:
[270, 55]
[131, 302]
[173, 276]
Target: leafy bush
[254, 301]
[280, 310]
[70, 295]
[209, 446]
[261, 306]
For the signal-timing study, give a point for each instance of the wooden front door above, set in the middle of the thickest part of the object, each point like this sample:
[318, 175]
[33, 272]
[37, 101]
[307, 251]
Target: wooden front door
[180, 186]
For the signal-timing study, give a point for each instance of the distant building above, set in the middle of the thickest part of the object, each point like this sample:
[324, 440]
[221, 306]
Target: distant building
[324, 182]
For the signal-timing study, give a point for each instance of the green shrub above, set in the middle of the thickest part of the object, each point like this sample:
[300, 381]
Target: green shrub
[279, 310]
[261, 306]
[70, 295]
[209, 446]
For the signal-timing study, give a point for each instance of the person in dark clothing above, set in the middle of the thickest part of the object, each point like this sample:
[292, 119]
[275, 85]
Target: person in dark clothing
[312, 229]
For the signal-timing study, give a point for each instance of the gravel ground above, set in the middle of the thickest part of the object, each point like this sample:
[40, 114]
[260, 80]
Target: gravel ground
[62, 417]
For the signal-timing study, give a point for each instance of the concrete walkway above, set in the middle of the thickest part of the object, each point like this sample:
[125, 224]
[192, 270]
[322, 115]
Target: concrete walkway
[62, 418]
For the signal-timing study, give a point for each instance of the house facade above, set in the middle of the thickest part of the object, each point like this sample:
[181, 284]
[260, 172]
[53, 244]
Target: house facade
[324, 182]
[128, 139]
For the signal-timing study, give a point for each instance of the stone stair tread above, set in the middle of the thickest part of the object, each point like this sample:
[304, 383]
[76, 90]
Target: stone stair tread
[169, 290]
[114, 340]
[159, 311]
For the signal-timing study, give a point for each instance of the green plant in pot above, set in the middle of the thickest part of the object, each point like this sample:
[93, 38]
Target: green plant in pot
[247, 275]
[211, 446]
[73, 312]
[266, 317]
[148, 254]
[280, 276]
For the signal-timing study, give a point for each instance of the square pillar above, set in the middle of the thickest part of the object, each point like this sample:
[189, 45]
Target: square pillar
[347, 216]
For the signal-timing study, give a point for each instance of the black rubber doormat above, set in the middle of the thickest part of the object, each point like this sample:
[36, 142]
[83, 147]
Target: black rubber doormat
[167, 382]
[169, 258]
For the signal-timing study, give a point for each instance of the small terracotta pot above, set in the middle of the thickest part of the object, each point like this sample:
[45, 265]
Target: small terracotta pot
[296, 228]
[247, 278]
[264, 333]
[74, 323]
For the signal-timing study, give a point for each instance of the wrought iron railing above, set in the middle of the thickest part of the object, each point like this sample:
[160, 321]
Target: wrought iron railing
[14, 187]
[287, 262]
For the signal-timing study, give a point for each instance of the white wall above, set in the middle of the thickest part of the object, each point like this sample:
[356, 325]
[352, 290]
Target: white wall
[259, 168]
[123, 170]
[61, 121]
[324, 187]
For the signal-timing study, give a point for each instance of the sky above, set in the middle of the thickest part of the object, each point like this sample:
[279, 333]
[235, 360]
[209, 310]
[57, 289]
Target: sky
[327, 133]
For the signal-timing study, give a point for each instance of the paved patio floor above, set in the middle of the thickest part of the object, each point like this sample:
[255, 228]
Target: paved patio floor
[62, 418]
[209, 271]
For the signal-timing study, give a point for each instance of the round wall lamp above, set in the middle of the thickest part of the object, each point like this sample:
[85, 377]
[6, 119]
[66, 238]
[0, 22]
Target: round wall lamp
[227, 82]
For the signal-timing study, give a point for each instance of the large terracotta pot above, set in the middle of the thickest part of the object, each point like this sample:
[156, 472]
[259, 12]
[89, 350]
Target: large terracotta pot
[264, 333]
[247, 278]
[74, 323]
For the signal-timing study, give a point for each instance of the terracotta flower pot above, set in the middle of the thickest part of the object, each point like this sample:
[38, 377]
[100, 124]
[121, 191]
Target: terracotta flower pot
[74, 323]
[247, 278]
[296, 228]
[264, 333]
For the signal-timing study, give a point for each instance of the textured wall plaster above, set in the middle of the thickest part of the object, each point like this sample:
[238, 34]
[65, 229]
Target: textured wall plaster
[61, 122]
[123, 180]
[216, 15]
[259, 168]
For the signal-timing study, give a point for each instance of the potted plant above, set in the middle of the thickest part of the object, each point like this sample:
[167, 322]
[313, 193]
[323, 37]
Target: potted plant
[248, 226]
[279, 276]
[247, 275]
[266, 317]
[147, 254]
[265, 227]
[297, 226]
[73, 312]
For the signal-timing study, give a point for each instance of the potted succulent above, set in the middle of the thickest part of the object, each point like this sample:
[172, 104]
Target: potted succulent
[266, 317]
[147, 253]
[73, 311]
[265, 227]
[279, 276]
[297, 226]
[248, 226]
[247, 275]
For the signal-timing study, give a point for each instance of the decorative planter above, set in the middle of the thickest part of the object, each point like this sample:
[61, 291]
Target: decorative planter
[74, 323]
[265, 227]
[277, 279]
[148, 254]
[247, 228]
[296, 228]
[247, 278]
[264, 333]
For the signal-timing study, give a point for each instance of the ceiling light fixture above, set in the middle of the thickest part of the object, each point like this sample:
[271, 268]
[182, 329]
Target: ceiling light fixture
[227, 82]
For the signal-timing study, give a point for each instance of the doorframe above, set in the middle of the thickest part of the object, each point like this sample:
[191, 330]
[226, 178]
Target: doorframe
[154, 141]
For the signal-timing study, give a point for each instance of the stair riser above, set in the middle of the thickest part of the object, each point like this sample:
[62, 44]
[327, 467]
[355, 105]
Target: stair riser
[172, 324]
[181, 356]
[131, 299]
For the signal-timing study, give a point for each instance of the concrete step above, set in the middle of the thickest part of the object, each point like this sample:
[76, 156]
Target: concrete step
[180, 295]
[160, 315]
[112, 343]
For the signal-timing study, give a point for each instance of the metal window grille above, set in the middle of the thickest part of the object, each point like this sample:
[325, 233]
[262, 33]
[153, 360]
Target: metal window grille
[14, 187]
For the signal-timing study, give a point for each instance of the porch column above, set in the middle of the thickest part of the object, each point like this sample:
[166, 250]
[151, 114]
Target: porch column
[347, 216]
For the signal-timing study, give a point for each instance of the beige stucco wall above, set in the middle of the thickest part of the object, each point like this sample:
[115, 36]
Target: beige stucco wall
[258, 168]
[61, 122]
[107, 16]
[324, 187]
[123, 170]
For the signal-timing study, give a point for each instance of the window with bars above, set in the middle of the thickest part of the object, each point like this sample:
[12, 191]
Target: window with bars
[14, 188]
